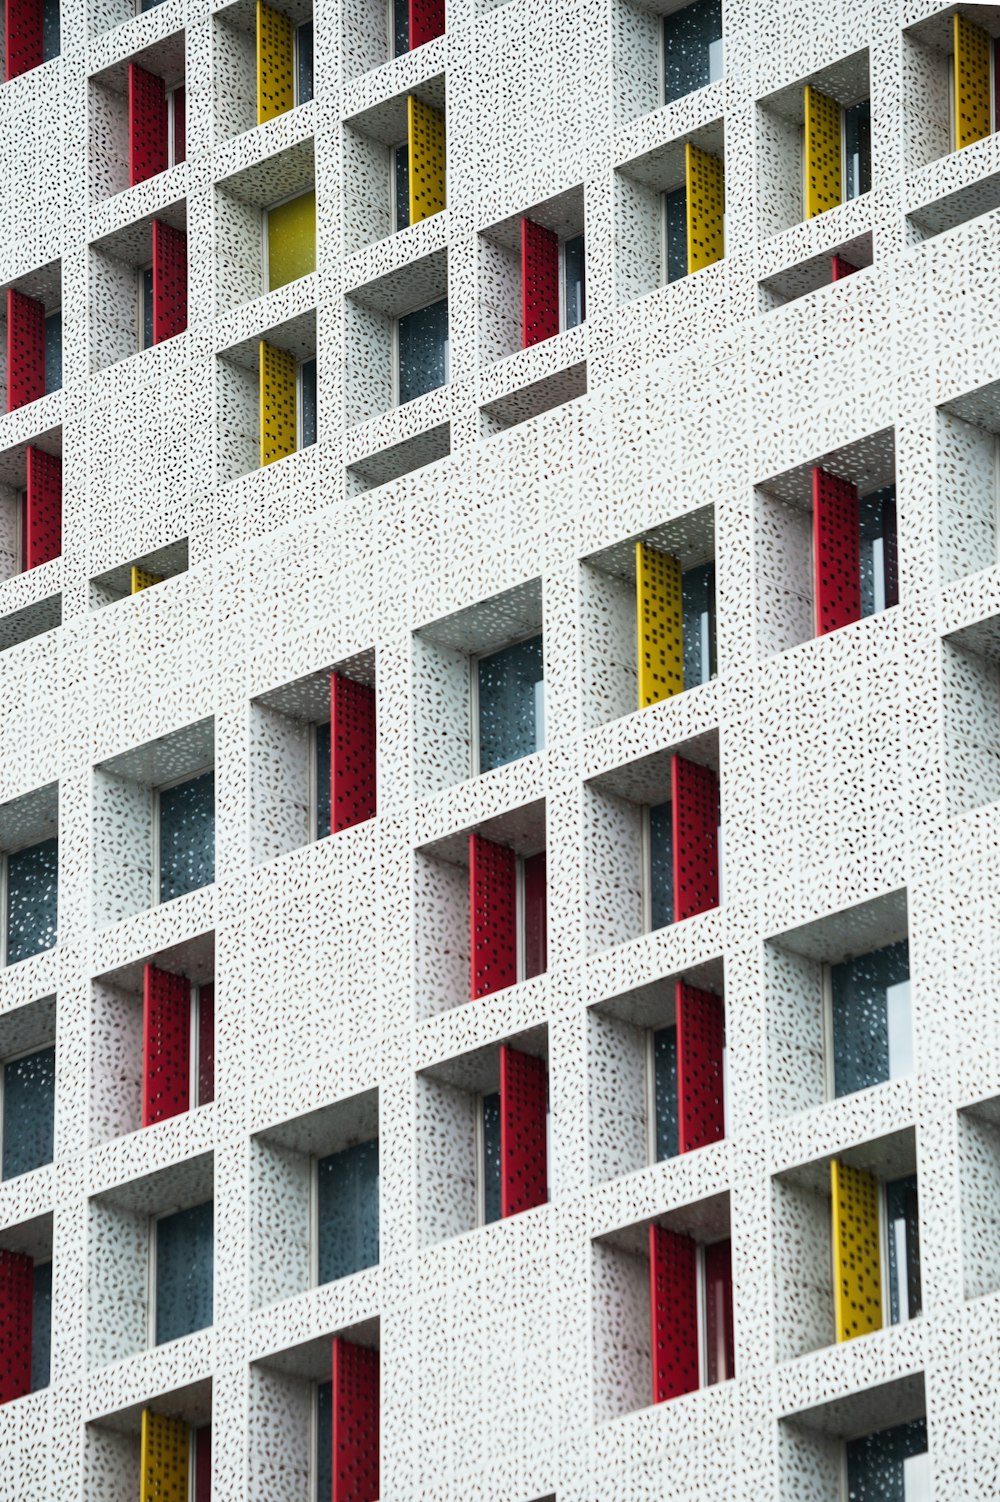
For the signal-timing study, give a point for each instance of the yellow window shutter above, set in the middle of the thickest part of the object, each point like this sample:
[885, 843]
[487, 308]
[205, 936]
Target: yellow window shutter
[824, 154]
[275, 63]
[142, 579]
[972, 81]
[291, 240]
[857, 1263]
[658, 619]
[425, 135]
[163, 1459]
[277, 403]
[705, 184]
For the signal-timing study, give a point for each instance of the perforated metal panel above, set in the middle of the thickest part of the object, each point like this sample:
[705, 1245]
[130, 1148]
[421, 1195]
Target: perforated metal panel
[659, 623]
[24, 42]
[277, 403]
[535, 916]
[426, 21]
[539, 283]
[971, 75]
[700, 1036]
[824, 170]
[42, 507]
[857, 1263]
[840, 268]
[720, 1346]
[170, 281]
[147, 124]
[166, 1044]
[163, 1462]
[425, 133]
[355, 1422]
[836, 552]
[694, 795]
[673, 1298]
[143, 579]
[523, 1105]
[493, 915]
[275, 63]
[352, 752]
[17, 1278]
[206, 1044]
[25, 349]
[291, 240]
[705, 181]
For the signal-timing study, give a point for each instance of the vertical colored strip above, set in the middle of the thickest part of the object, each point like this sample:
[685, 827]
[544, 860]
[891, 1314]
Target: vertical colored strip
[291, 240]
[203, 1464]
[275, 63]
[840, 268]
[206, 1043]
[836, 552]
[163, 1458]
[972, 81]
[694, 793]
[523, 1107]
[166, 1044]
[536, 959]
[493, 915]
[170, 281]
[425, 134]
[147, 124]
[179, 97]
[857, 1263]
[352, 752]
[355, 1422]
[700, 1037]
[277, 403]
[705, 183]
[539, 283]
[824, 172]
[24, 42]
[17, 1285]
[890, 550]
[673, 1298]
[25, 349]
[143, 579]
[426, 21]
[720, 1352]
[42, 507]
[659, 623]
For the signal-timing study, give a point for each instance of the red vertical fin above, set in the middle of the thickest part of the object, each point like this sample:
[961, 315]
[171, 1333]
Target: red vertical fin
[539, 283]
[24, 42]
[17, 1286]
[25, 349]
[352, 752]
[147, 124]
[355, 1422]
[426, 21]
[673, 1289]
[694, 792]
[523, 1105]
[836, 551]
[839, 268]
[535, 916]
[166, 1044]
[42, 507]
[700, 1033]
[493, 915]
[720, 1359]
[170, 281]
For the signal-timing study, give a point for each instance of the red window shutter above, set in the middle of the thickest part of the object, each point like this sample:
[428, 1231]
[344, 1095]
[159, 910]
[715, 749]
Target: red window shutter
[203, 1464]
[147, 124]
[352, 752]
[841, 268]
[673, 1290]
[17, 1286]
[170, 281]
[493, 915]
[206, 1044]
[42, 507]
[694, 792]
[535, 916]
[24, 36]
[836, 551]
[700, 1032]
[25, 349]
[166, 1044]
[523, 1102]
[720, 1360]
[539, 283]
[355, 1422]
[180, 124]
[890, 550]
[426, 21]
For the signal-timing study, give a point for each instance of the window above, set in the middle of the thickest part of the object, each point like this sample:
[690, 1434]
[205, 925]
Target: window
[304, 62]
[663, 1043]
[41, 1326]
[574, 282]
[400, 26]
[51, 40]
[321, 780]
[691, 1309]
[29, 1088]
[692, 48]
[690, 242]
[685, 1073]
[176, 125]
[146, 306]
[422, 351]
[675, 234]
[53, 351]
[508, 910]
[510, 714]
[489, 1157]
[877, 530]
[659, 834]
[876, 1250]
[347, 1211]
[411, 24]
[401, 185]
[324, 1434]
[182, 1280]
[890, 1466]
[186, 827]
[902, 1220]
[290, 240]
[178, 1044]
[871, 1026]
[32, 881]
[857, 149]
[512, 1175]
[837, 150]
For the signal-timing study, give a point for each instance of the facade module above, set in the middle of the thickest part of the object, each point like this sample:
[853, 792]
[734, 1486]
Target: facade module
[499, 751]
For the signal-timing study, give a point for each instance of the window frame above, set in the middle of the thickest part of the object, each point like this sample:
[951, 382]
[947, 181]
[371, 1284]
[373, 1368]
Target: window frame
[24, 1053]
[475, 658]
[163, 787]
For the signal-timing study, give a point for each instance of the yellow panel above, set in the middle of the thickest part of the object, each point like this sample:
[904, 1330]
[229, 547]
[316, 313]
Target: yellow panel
[143, 579]
[275, 63]
[291, 240]
[705, 182]
[277, 403]
[824, 153]
[164, 1459]
[857, 1265]
[425, 133]
[972, 82]
[658, 618]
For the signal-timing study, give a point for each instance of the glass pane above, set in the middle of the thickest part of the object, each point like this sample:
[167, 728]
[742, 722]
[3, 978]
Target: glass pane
[719, 1363]
[692, 46]
[423, 350]
[661, 866]
[307, 372]
[535, 911]
[347, 1211]
[41, 1327]
[858, 149]
[904, 1248]
[146, 296]
[698, 611]
[50, 29]
[53, 352]
[665, 1091]
[576, 296]
[675, 204]
[860, 994]
[32, 900]
[400, 27]
[322, 781]
[187, 836]
[324, 1440]
[877, 1464]
[29, 1097]
[491, 1157]
[401, 186]
[511, 708]
[183, 1272]
[304, 62]
[206, 1044]
[876, 516]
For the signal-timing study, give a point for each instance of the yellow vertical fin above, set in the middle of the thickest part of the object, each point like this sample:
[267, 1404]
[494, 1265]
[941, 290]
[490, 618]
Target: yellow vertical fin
[705, 184]
[659, 623]
[291, 240]
[857, 1263]
[277, 403]
[425, 135]
[972, 81]
[163, 1466]
[824, 155]
[143, 579]
[275, 63]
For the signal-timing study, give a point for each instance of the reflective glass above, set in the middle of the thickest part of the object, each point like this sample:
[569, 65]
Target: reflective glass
[576, 296]
[400, 27]
[872, 1028]
[324, 1440]
[347, 1211]
[665, 1091]
[661, 866]
[29, 1097]
[511, 703]
[50, 29]
[902, 1216]
[146, 296]
[187, 836]
[41, 1326]
[858, 149]
[32, 899]
[698, 613]
[877, 518]
[307, 372]
[423, 350]
[491, 1157]
[675, 206]
[692, 48]
[304, 62]
[184, 1272]
[401, 191]
[322, 781]
[53, 352]
[881, 1468]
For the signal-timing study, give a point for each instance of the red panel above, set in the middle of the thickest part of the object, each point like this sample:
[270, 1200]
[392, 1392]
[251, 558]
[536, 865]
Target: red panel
[493, 915]
[355, 1422]
[673, 1294]
[426, 21]
[890, 550]
[180, 123]
[203, 1464]
[524, 1097]
[539, 283]
[700, 1034]
[352, 752]
[206, 1044]
[24, 36]
[147, 124]
[17, 1286]
[42, 508]
[720, 1359]
[535, 916]
[166, 1044]
[836, 552]
[841, 268]
[170, 281]
[25, 349]
[694, 792]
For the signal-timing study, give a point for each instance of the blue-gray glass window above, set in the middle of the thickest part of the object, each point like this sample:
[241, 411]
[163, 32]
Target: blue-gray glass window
[53, 352]
[692, 48]
[858, 149]
[423, 350]
[576, 288]
[41, 1326]
[698, 614]
[307, 375]
[903, 1235]
[347, 1211]
[304, 62]
[665, 1092]
[50, 29]
[877, 526]
[29, 1098]
[324, 1441]
[146, 298]
[675, 211]
[872, 1030]
[400, 27]
[890, 1466]
[187, 836]
[184, 1258]
[491, 1157]
[32, 899]
[661, 866]
[322, 781]
[150, 4]
[401, 177]
[511, 703]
